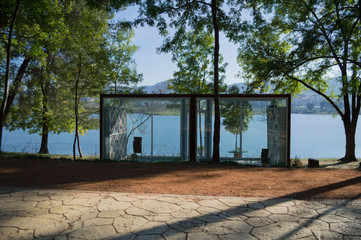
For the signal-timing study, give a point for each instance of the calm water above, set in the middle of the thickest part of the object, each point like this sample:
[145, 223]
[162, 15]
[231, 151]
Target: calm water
[314, 136]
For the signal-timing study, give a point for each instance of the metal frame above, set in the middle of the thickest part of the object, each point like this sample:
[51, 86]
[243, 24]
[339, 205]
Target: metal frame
[193, 113]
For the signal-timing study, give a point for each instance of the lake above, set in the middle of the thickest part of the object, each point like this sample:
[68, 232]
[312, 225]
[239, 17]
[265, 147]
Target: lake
[312, 136]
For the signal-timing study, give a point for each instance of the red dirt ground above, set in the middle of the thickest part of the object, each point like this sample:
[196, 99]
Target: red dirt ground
[181, 178]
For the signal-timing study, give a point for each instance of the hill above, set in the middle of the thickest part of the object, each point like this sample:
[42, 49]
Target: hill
[307, 102]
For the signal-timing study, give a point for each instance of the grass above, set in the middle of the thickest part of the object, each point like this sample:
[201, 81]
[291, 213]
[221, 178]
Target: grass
[95, 159]
[48, 156]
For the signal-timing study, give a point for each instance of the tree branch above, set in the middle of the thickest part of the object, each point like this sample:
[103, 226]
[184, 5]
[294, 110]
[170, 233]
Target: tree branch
[327, 57]
[140, 124]
[318, 92]
[324, 33]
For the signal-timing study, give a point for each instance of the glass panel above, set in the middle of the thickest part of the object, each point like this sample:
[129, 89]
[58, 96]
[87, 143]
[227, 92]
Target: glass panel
[152, 129]
[246, 129]
[205, 120]
[243, 129]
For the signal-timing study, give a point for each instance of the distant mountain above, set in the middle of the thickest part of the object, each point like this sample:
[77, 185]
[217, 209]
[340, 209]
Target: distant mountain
[158, 88]
[162, 87]
[241, 86]
[306, 102]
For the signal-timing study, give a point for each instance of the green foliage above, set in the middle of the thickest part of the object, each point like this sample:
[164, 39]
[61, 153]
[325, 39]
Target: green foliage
[76, 54]
[122, 67]
[299, 45]
[194, 58]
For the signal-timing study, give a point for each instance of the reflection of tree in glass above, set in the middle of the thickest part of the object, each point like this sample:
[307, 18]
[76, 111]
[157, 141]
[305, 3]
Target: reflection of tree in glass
[194, 58]
[138, 118]
[233, 118]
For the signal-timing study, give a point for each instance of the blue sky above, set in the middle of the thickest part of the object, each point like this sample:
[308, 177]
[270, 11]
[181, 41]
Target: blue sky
[159, 67]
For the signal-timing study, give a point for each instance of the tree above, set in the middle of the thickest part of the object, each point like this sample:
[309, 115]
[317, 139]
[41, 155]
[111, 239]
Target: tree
[25, 27]
[96, 55]
[198, 15]
[194, 58]
[236, 115]
[44, 104]
[123, 75]
[40, 107]
[298, 45]
[85, 63]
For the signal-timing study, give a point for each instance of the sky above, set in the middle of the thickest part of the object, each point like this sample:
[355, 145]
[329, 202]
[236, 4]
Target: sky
[159, 67]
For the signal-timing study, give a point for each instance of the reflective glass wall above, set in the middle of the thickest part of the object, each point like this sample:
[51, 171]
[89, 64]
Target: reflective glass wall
[181, 127]
[141, 129]
[248, 125]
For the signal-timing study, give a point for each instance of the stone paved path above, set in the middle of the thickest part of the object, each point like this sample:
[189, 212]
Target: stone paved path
[62, 214]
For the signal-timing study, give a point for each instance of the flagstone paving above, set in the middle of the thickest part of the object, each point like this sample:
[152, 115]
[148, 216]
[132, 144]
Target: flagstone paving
[67, 214]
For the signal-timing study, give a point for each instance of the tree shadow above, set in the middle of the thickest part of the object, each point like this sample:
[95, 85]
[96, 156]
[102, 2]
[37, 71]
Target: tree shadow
[189, 224]
[197, 222]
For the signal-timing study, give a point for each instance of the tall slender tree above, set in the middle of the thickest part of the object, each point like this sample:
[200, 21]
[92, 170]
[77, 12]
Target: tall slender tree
[199, 16]
[194, 58]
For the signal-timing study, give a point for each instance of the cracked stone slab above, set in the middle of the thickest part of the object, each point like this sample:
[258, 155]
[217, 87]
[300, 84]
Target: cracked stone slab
[227, 227]
[111, 214]
[213, 203]
[238, 236]
[324, 234]
[282, 230]
[172, 234]
[93, 232]
[302, 212]
[349, 228]
[183, 213]
[153, 228]
[15, 233]
[277, 209]
[125, 224]
[350, 215]
[233, 202]
[259, 222]
[188, 226]
[311, 204]
[157, 206]
[17, 206]
[202, 235]
[138, 211]
[106, 205]
[314, 224]
[98, 222]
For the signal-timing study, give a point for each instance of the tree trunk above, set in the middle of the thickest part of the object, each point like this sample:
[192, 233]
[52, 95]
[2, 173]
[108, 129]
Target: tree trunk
[15, 86]
[76, 111]
[7, 72]
[350, 130]
[217, 118]
[44, 139]
[45, 120]
[235, 147]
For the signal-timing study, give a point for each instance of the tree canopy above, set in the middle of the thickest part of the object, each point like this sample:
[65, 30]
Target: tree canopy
[293, 46]
[63, 52]
[194, 58]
